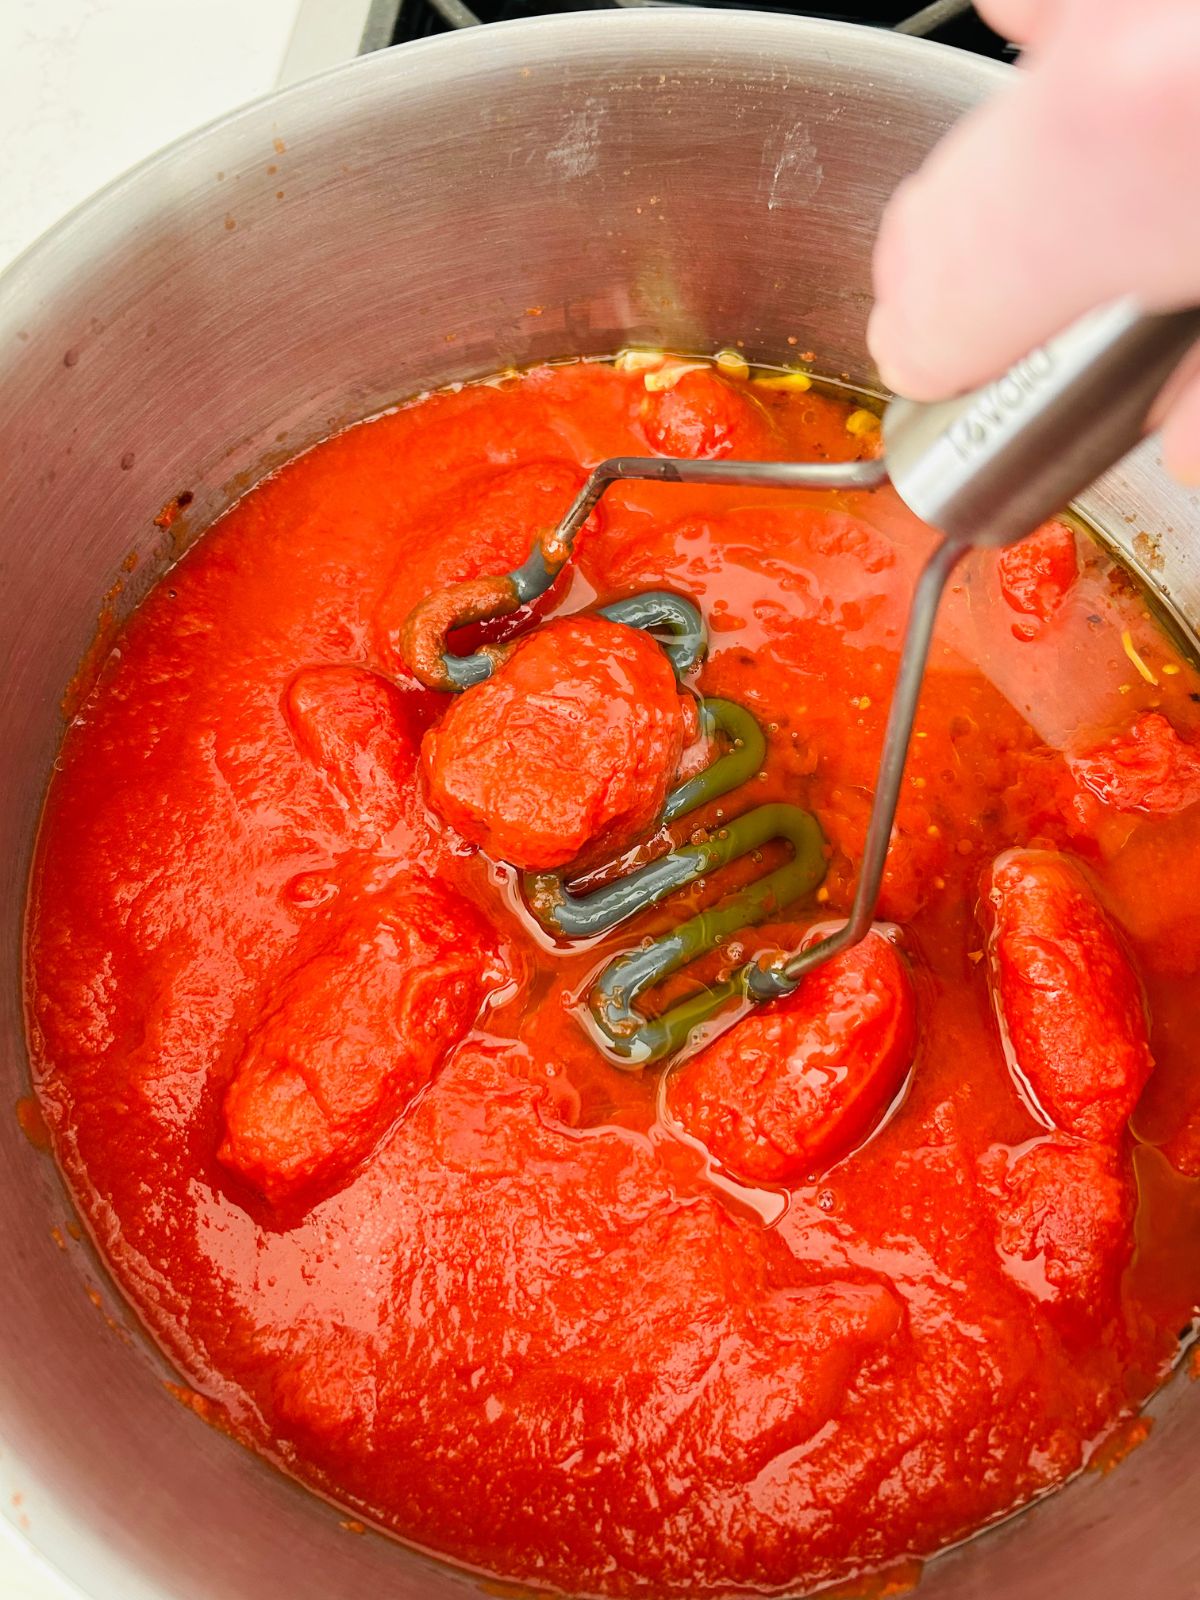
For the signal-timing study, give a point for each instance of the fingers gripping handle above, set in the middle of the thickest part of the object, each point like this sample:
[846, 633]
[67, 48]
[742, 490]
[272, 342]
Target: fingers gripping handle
[989, 467]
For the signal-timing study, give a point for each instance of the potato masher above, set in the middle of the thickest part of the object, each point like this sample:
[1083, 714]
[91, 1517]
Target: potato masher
[984, 470]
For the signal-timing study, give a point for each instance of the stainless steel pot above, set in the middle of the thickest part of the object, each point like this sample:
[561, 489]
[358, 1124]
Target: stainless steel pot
[426, 215]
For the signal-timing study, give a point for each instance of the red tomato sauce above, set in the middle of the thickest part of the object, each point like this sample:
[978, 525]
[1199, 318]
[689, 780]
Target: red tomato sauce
[873, 1270]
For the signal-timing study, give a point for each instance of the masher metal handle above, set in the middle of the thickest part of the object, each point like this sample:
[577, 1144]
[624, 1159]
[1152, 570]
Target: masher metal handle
[987, 469]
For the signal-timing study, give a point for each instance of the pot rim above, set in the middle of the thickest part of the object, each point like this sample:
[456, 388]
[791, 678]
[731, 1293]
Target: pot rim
[455, 54]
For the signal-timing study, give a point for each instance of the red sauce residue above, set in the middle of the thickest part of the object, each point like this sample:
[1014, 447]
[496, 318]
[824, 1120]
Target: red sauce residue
[900, 1579]
[1131, 1433]
[32, 1123]
[166, 516]
[507, 1591]
[207, 1410]
[317, 1078]
[86, 675]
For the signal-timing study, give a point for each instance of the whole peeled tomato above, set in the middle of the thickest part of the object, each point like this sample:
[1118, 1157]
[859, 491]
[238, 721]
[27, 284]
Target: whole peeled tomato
[564, 755]
[1069, 1004]
[796, 1085]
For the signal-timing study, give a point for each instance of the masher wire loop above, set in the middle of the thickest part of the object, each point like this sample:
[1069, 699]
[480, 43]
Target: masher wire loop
[588, 915]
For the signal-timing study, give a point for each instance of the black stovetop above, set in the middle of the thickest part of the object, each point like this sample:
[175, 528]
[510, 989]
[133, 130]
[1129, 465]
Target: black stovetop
[949, 21]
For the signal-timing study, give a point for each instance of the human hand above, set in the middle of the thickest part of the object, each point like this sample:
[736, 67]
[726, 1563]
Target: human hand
[1077, 184]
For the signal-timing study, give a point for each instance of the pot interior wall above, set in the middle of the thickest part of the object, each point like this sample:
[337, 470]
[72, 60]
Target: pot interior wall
[428, 215]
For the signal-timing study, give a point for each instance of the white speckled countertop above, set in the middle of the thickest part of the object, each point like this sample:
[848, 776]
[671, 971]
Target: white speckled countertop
[87, 89]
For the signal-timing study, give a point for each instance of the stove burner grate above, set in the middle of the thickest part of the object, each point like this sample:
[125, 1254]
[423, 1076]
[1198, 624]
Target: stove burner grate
[949, 21]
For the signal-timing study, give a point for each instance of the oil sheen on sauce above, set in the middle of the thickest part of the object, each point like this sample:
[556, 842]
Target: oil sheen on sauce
[491, 1300]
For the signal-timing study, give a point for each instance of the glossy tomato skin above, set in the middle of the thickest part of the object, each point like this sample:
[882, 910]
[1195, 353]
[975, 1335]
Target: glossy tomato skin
[1069, 1004]
[350, 1036]
[324, 1392]
[703, 417]
[358, 731]
[1037, 574]
[566, 753]
[1147, 768]
[1064, 1211]
[798, 1084]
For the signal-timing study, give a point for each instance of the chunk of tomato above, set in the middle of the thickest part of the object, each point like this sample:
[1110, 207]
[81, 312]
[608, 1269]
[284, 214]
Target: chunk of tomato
[567, 752]
[356, 729]
[1037, 575]
[1064, 1214]
[703, 417]
[1069, 1004]
[798, 1084]
[1148, 768]
[351, 1036]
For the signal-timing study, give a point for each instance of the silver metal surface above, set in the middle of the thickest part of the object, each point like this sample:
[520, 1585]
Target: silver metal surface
[740, 474]
[902, 715]
[379, 27]
[932, 17]
[455, 13]
[678, 179]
